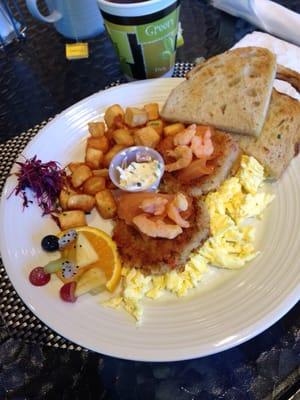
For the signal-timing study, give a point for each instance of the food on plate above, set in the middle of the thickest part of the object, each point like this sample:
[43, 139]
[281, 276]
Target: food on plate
[108, 259]
[64, 195]
[106, 204]
[86, 184]
[83, 202]
[66, 238]
[80, 175]
[265, 127]
[232, 209]
[39, 277]
[204, 210]
[96, 129]
[165, 240]
[162, 241]
[146, 136]
[50, 243]
[88, 262]
[92, 280]
[98, 143]
[139, 175]
[157, 124]
[173, 129]
[123, 136]
[67, 292]
[74, 165]
[113, 114]
[71, 219]
[111, 153]
[205, 157]
[94, 184]
[238, 199]
[288, 75]
[93, 157]
[101, 172]
[152, 110]
[135, 117]
[230, 91]
[45, 180]
[276, 146]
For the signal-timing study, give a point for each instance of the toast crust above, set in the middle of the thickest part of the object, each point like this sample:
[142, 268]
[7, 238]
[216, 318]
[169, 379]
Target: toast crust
[277, 144]
[288, 75]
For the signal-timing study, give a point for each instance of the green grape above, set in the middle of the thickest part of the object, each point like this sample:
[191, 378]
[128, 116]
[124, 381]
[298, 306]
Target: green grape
[97, 290]
[54, 266]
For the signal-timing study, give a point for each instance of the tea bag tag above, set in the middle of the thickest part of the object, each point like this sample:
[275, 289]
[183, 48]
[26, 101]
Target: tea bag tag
[75, 51]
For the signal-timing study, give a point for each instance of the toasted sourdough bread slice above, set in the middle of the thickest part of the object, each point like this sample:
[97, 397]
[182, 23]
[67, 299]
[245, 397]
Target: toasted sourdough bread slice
[230, 91]
[276, 146]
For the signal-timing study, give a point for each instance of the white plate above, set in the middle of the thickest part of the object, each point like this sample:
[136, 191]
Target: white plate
[207, 321]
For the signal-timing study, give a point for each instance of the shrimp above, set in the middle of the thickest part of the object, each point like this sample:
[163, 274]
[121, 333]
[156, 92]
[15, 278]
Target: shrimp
[184, 157]
[157, 228]
[185, 137]
[165, 145]
[181, 202]
[155, 206]
[195, 170]
[177, 205]
[202, 146]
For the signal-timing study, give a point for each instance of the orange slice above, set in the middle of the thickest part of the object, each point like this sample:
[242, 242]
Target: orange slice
[109, 261]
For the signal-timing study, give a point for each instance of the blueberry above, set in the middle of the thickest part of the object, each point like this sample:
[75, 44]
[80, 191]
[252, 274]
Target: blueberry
[50, 243]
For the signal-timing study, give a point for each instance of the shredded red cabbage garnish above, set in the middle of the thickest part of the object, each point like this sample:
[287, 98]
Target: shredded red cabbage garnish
[44, 179]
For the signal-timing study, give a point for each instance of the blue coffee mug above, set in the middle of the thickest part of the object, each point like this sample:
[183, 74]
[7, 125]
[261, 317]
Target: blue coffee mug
[74, 19]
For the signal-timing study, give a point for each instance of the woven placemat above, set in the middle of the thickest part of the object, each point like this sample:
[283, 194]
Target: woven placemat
[20, 321]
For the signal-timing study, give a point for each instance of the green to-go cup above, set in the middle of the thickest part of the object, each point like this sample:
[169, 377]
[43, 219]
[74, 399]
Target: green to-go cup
[144, 35]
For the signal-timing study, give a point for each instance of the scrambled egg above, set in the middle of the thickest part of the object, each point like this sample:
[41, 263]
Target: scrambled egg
[232, 209]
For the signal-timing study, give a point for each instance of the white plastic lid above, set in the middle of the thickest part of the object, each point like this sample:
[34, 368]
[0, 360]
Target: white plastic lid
[128, 156]
[134, 9]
